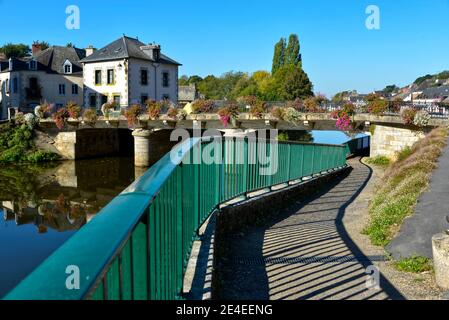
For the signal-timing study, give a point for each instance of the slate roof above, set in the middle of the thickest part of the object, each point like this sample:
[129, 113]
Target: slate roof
[435, 92]
[124, 48]
[51, 60]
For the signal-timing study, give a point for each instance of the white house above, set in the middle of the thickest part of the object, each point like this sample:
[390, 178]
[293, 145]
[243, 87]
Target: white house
[128, 71]
[54, 75]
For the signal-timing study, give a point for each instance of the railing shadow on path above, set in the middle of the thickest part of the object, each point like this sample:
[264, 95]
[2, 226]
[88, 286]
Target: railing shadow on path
[306, 252]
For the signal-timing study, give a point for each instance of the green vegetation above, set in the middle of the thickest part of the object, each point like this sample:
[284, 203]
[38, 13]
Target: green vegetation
[404, 154]
[403, 183]
[381, 161]
[16, 145]
[414, 264]
[287, 81]
[11, 50]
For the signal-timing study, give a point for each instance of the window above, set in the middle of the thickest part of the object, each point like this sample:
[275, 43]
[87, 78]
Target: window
[144, 77]
[92, 100]
[110, 76]
[33, 65]
[104, 99]
[62, 89]
[98, 77]
[117, 100]
[165, 79]
[15, 85]
[7, 85]
[143, 98]
[67, 68]
[74, 89]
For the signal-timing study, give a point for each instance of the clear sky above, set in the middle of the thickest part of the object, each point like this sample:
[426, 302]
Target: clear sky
[215, 36]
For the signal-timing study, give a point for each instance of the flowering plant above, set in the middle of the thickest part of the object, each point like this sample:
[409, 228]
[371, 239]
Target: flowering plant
[60, 117]
[408, 115]
[228, 112]
[344, 121]
[421, 119]
[132, 114]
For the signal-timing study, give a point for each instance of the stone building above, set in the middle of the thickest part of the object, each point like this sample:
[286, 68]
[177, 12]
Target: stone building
[128, 72]
[54, 75]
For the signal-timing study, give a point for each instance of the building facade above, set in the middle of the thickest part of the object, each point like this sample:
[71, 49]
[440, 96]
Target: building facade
[128, 72]
[54, 75]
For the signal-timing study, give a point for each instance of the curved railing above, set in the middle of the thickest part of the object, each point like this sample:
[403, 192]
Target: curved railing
[139, 245]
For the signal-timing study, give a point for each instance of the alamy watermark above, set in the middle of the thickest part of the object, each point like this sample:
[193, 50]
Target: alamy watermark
[372, 22]
[73, 20]
[258, 148]
[373, 278]
[72, 281]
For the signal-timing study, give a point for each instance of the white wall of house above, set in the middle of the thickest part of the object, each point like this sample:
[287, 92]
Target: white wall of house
[127, 84]
[118, 88]
[49, 84]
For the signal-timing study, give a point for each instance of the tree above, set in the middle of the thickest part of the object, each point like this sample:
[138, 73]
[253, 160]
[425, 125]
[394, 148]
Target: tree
[291, 82]
[43, 44]
[292, 55]
[279, 56]
[69, 45]
[11, 50]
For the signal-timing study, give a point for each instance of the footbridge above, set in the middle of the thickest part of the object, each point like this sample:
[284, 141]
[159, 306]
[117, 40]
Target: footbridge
[139, 245]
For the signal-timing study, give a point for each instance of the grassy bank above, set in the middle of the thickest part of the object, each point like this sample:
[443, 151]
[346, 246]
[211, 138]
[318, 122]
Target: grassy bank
[17, 146]
[402, 184]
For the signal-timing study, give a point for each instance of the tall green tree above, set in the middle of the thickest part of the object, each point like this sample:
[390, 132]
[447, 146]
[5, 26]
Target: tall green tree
[279, 56]
[43, 44]
[291, 82]
[292, 55]
[11, 50]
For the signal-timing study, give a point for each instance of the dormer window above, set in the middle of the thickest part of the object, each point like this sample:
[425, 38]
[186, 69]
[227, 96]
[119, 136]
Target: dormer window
[32, 65]
[67, 67]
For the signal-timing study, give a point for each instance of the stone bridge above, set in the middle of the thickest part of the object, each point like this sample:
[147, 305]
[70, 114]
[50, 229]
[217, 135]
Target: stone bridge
[149, 139]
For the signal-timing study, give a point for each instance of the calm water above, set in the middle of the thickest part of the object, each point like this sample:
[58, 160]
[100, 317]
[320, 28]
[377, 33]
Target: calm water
[41, 206]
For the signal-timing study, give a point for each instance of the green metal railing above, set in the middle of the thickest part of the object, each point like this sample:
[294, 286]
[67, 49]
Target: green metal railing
[139, 245]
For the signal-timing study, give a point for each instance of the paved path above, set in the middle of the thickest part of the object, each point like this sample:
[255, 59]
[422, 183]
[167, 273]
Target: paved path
[429, 218]
[306, 253]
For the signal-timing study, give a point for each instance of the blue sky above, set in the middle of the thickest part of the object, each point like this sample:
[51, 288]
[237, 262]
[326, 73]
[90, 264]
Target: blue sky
[215, 36]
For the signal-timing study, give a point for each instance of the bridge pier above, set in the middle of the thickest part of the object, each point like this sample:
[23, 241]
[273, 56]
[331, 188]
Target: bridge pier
[141, 147]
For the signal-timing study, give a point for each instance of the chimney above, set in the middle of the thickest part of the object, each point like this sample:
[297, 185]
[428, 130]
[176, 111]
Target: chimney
[152, 50]
[89, 50]
[35, 48]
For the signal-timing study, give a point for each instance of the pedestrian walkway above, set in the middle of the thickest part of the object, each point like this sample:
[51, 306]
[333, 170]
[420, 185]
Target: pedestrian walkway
[429, 217]
[306, 253]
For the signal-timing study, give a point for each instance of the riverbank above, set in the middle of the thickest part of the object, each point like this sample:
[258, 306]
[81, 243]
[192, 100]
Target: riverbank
[17, 145]
[413, 286]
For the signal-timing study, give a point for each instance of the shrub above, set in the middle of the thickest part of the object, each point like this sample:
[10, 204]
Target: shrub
[297, 104]
[349, 108]
[90, 116]
[377, 107]
[279, 112]
[343, 122]
[154, 109]
[248, 100]
[228, 112]
[181, 115]
[74, 110]
[379, 161]
[283, 136]
[132, 114]
[107, 108]
[30, 120]
[258, 110]
[292, 115]
[172, 112]
[311, 105]
[43, 110]
[203, 106]
[414, 264]
[408, 115]
[403, 182]
[421, 118]
[60, 117]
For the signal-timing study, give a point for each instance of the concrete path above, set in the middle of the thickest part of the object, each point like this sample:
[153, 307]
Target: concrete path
[429, 218]
[306, 253]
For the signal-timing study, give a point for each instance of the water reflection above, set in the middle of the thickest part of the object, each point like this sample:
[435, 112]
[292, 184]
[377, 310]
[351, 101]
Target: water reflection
[44, 205]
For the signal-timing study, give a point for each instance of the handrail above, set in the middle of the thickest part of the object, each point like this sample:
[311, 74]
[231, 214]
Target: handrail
[138, 246]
